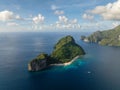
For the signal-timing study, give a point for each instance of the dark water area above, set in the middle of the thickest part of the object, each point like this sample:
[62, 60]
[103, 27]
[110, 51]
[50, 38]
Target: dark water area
[99, 69]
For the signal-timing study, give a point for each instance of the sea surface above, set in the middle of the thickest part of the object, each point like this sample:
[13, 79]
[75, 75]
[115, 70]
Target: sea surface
[99, 69]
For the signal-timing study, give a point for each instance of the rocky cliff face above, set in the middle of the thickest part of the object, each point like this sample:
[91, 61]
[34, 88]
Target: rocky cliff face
[39, 63]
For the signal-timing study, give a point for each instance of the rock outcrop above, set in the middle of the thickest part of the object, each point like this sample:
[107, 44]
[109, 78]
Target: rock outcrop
[39, 63]
[64, 51]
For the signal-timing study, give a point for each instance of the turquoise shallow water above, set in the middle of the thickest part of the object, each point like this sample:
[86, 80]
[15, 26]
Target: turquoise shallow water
[76, 64]
[97, 70]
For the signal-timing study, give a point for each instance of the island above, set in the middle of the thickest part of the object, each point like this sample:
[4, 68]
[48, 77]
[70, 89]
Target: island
[108, 37]
[65, 51]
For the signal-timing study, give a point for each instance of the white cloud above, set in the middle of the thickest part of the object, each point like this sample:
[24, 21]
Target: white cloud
[59, 12]
[66, 23]
[115, 24]
[68, 26]
[38, 19]
[18, 17]
[111, 11]
[54, 7]
[8, 15]
[63, 19]
[87, 16]
[74, 21]
[12, 24]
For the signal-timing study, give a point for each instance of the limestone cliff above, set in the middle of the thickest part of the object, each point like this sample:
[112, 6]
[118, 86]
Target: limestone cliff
[38, 63]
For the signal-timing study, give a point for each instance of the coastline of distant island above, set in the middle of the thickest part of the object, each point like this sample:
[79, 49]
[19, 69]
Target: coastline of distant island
[106, 38]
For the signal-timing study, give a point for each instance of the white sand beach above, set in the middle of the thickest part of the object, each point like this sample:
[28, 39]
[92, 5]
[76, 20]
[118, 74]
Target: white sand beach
[67, 63]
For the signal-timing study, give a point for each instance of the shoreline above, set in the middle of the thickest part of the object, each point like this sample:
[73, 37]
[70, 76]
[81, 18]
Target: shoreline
[67, 63]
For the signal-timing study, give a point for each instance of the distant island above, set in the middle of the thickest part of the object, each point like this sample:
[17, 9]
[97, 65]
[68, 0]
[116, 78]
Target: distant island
[108, 37]
[65, 52]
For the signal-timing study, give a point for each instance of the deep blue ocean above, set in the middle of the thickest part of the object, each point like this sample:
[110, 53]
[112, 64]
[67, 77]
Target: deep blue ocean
[99, 69]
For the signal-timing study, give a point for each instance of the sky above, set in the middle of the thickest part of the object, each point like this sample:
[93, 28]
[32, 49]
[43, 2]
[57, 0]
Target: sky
[58, 15]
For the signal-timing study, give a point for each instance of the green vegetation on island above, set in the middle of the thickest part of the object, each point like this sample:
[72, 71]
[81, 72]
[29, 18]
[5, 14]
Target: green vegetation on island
[107, 37]
[64, 51]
